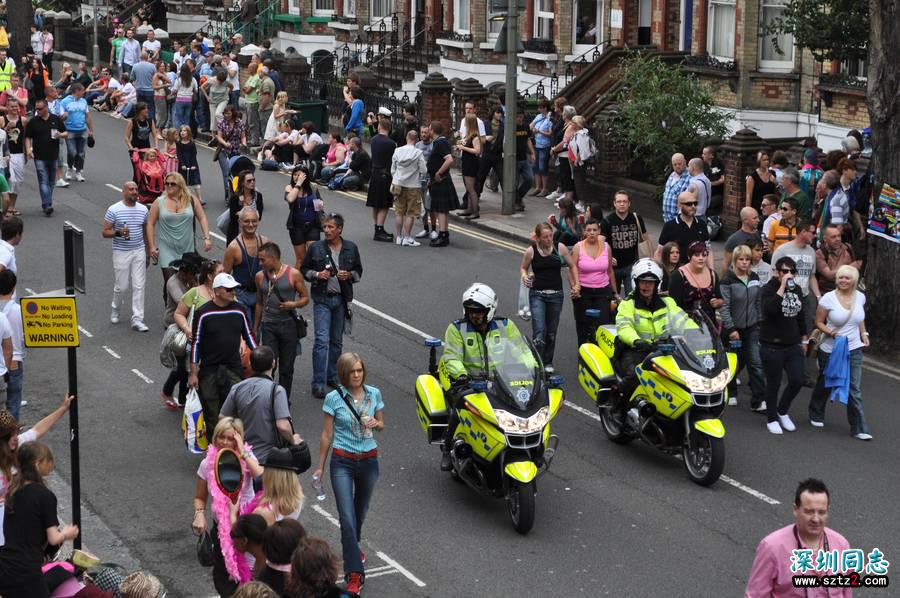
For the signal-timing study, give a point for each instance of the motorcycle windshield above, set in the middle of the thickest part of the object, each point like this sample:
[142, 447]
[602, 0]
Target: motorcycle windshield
[513, 368]
[696, 341]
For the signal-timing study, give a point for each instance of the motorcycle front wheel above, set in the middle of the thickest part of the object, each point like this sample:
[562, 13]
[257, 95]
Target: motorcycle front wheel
[520, 504]
[704, 458]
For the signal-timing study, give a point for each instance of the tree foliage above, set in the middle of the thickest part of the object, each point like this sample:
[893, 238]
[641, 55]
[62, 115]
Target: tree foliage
[663, 110]
[829, 29]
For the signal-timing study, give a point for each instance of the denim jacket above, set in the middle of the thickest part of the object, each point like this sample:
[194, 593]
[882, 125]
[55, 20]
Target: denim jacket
[317, 258]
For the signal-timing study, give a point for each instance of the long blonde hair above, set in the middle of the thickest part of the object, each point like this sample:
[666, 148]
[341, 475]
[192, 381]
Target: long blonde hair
[281, 98]
[184, 195]
[471, 128]
[282, 491]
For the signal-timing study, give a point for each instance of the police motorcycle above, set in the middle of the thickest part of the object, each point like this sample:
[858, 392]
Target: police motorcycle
[680, 397]
[503, 441]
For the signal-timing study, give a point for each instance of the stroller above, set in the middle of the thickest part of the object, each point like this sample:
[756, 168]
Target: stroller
[149, 173]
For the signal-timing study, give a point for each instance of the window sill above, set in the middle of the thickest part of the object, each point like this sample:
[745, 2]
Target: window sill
[487, 45]
[450, 43]
[318, 19]
[342, 26]
[538, 56]
[288, 18]
[775, 73]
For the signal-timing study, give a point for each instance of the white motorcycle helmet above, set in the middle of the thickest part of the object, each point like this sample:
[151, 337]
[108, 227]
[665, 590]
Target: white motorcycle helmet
[480, 296]
[646, 269]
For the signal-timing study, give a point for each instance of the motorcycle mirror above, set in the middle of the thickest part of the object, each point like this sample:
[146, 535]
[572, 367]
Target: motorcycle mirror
[735, 345]
[433, 342]
[478, 385]
[666, 348]
[556, 381]
[592, 313]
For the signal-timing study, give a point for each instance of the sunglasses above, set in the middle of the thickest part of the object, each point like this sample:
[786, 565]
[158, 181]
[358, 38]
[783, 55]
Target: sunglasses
[785, 208]
[788, 271]
[249, 180]
[690, 204]
[171, 184]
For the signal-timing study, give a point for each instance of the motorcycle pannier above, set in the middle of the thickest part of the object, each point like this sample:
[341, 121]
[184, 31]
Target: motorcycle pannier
[595, 372]
[431, 408]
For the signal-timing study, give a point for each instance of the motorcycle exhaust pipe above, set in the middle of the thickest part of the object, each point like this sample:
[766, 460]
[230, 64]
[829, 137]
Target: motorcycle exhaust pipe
[649, 429]
[462, 450]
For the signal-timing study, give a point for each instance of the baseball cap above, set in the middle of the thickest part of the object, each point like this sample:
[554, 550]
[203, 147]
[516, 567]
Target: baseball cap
[384, 111]
[226, 281]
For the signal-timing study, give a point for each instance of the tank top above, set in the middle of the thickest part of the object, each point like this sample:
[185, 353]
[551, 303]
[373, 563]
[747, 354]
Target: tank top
[547, 270]
[760, 188]
[304, 210]
[593, 273]
[140, 133]
[245, 272]
[282, 290]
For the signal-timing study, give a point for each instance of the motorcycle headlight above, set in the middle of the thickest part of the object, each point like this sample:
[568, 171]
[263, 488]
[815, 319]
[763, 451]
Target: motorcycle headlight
[703, 384]
[513, 424]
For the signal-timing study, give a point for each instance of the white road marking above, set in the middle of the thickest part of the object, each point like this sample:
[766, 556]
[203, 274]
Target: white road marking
[114, 188]
[85, 332]
[327, 515]
[142, 376]
[30, 291]
[389, 571]
[583, 411]
[401, 569]
[749, 490]
[880, 371]
[391, 319]
[111, 352]
[217, 236]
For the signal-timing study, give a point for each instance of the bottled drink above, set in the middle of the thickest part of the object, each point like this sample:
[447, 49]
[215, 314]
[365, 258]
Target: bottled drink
[317, 486]
[791, 285]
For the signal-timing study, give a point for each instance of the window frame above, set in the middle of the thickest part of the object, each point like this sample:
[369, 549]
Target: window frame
[390, 4]
[293, 7]
[711, 21]
[349, 8]
[600, 7]
[492, 36]
[784, 63]
[322, 12]
[542, 16]
[461, 16]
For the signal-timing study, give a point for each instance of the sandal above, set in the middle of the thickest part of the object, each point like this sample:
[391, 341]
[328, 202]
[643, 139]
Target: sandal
[169, 402]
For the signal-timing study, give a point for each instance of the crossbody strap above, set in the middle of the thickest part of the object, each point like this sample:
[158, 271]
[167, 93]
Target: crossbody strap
[350, 406]
[279, 439]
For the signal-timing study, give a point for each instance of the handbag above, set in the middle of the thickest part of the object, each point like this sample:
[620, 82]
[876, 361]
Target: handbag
[224, 221]
[206, 551]
[300, 455]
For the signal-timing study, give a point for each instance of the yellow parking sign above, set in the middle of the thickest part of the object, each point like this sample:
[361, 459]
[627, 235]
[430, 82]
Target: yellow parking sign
[50, 322]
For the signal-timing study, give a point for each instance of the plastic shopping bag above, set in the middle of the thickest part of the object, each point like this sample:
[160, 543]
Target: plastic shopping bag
[192, 423]
[524, 309]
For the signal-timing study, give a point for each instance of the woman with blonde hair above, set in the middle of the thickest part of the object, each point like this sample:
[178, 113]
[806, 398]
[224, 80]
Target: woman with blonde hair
[353, 412]
[172, 216]
[282, 495]
[470, 148]
[280, 112]
[230, 567]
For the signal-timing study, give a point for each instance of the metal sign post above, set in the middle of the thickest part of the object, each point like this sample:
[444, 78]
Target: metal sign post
[507, 206]
[73, 238]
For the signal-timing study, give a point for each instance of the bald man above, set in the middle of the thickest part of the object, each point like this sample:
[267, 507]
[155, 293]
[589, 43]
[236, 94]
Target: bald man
[684, 229]
[700, 186]
[675, 184]
[748, 233]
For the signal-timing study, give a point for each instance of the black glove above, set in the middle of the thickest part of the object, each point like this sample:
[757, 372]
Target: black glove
[460, 382]
[642, 345]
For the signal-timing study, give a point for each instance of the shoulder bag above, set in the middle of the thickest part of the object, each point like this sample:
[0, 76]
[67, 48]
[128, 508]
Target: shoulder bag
[302, 460]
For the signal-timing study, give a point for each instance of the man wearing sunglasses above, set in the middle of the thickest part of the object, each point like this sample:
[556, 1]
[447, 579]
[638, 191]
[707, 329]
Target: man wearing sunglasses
[125, 223]
[685, 229]
[784, 230]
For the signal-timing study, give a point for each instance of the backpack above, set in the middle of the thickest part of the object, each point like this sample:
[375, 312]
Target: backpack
[582, 147]
[809, 178]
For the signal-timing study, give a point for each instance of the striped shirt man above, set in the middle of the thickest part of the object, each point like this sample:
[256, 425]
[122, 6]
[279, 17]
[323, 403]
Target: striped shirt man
[129, 221]
[217, 337]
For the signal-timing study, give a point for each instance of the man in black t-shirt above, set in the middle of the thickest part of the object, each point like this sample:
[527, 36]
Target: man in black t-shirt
[525, 156]
[42, 135]
[625, 231]
[684, 229]
[715, 172]
[379, 197]
[443, 193]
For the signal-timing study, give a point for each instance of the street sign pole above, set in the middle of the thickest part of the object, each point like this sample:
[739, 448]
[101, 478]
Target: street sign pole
[69, 238]
[509, 132]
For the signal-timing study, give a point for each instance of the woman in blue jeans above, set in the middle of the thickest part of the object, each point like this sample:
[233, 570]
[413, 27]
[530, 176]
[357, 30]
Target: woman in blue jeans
[841, 313]
[353, 411]
[545, 295]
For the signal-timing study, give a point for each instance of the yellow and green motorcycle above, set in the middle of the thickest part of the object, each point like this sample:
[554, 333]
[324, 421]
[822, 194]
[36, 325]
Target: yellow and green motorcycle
[503, 441]
[680, 397]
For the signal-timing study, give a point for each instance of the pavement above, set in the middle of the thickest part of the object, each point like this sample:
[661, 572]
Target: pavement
[611, 520]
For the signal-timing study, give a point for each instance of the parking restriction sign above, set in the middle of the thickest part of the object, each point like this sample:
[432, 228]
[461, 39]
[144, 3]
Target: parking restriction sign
[50, 322]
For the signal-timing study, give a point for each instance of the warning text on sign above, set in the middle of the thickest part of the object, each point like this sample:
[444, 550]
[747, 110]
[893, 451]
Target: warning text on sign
[50, 322]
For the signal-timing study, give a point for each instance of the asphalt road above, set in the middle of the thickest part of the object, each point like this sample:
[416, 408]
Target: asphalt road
[611, 520]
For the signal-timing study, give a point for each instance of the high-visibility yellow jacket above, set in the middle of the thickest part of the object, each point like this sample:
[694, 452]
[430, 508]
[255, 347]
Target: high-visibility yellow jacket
[464, 347]
[6, 72]
[636, 320]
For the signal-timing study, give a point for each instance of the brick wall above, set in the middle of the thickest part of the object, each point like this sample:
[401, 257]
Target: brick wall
[772, 93]
[848, 109]
[721, 91]
[563, 28]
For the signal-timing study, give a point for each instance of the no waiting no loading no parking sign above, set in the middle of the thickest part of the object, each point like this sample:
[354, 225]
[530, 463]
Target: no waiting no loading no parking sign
[50, 322]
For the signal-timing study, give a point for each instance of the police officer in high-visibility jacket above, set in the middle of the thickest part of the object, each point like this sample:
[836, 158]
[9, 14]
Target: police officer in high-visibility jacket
[465, 350]
[7, 70]
[641, 320]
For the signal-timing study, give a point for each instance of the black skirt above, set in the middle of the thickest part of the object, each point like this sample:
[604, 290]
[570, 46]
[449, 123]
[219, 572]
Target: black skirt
[379, 196]
[470, 164]
[443, 195]
[191, 177]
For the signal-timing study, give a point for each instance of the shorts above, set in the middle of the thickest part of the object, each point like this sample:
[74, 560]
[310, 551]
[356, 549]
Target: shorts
[63, 157]
[542, 165]
[408, 200]
[300, 235]
[16, 172]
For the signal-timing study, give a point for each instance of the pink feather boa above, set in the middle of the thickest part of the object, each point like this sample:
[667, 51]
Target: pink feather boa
[235, 562]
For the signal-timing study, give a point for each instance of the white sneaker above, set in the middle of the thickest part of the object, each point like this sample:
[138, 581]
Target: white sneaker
[863, 436]
[410, 242]
[114, 316]
[434, 235]
[732, 401]
[760, 409]
[816, 424]
[422, 234]
[774, 427]
[62, 183]
[786, 423]
[549, 369]
[554, 196]
[69, 174]
[139, 327]
[398, 239]
[79, 176]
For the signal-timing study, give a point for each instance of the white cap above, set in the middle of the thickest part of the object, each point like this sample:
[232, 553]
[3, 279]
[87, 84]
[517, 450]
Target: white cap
[384, 111]
[224, 280]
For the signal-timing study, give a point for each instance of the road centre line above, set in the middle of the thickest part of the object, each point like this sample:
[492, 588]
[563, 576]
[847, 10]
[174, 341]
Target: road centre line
[114, 188]
[391, 319]
[749, 490]
[141, 376]
[388, 571]
[111, 352]
[217, 236]
[881, 372]
[334, 521]
[401, 569]
[85, 332]
[30, 291]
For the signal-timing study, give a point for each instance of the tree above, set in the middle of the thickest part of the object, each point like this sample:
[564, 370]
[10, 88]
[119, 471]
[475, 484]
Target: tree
[19, 19]
[883, 102]
[664, 111]
[829, 29]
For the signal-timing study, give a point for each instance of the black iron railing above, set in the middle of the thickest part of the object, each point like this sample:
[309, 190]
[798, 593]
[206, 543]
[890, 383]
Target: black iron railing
[710, 62]
[542, 46]
[582, 60]
[843, 80]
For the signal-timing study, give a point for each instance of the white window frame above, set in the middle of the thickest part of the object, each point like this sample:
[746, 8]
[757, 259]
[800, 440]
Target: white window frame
[388, 4]
[600, 7]
[349, 7]
[785, 62]
[711, 33]
[322, 12]
[541, 18]
[293, 7]
[462, 16]
[492, 36]
[862, 69]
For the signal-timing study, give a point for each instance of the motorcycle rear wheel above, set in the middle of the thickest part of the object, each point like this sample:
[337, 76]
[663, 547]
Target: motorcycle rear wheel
[613, 425]
[520, 505]
[704, 458]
